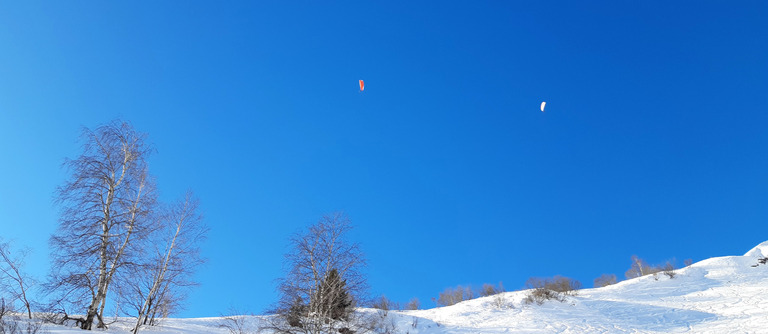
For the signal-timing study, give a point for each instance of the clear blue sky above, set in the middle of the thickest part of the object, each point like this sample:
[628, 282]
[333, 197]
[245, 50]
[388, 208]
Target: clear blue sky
[653, 142]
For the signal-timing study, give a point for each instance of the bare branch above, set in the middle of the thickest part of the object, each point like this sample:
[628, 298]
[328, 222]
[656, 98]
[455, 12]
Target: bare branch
[10, 268]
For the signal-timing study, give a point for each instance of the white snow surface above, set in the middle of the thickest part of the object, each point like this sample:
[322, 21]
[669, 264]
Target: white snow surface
[718, 295]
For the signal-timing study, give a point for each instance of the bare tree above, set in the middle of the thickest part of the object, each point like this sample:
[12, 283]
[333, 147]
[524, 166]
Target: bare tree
[156, 286]
[323, 283]
[557, 283]
[451, 296]
[668, 269]
[413, 304]
[557, 288]
[236, 324]
[385, 304]
[604, 280]
[18, 281]
[640, 268]
[489, 289]
[105, 204]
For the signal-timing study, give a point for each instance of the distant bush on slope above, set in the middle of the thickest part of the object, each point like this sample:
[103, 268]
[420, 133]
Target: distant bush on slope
[490, 289]
[236, 324]
[413, 304]
[604, 280]
[640, 268]
[451, 296]
[669, 270]
[554, 288]
[385, 304]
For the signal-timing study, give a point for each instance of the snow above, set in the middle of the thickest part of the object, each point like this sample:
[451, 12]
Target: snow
[759, 251]
[718, 295]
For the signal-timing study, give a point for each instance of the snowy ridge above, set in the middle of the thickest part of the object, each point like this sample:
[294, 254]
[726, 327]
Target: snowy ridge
[759, 251]
[718, 295]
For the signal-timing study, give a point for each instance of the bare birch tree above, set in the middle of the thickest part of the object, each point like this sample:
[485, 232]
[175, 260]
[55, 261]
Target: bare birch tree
[156, 285]
[105, 204]
[18, 283]
[323, 283]
[640, 268]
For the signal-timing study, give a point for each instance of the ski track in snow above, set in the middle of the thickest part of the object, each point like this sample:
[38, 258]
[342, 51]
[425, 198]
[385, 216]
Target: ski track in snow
[717, 295]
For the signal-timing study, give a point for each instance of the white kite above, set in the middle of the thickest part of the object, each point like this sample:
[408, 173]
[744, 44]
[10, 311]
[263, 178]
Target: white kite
[542, 106]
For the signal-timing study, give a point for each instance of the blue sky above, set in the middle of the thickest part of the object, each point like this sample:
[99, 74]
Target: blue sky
[653, 141]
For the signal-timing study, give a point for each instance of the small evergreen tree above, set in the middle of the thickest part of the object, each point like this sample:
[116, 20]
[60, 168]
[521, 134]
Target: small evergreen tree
[295, 312]
[333, 296]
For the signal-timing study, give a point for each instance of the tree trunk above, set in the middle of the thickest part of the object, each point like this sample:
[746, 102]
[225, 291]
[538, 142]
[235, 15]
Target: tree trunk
[101, 312]
[92, 310]
[98, 298]
[159, 279]
[139, 323]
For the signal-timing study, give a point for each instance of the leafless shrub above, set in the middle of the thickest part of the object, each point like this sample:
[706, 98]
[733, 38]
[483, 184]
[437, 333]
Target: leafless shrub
[18, 282]
[52, 318]
[640, 268]
[669, 270]
[413, 304]
[385, 304]
[565, 285]
[19, 326]
[500, 301]
[236, 324]
[555, 288]
[452, 296]
[490, 289]
[381, 323]
[687, 262]
[6, 308]
[382, 306]
[54, 313]
[9, 326]
[12, 324]
[605, 280]
[541, 295]
[32, 326]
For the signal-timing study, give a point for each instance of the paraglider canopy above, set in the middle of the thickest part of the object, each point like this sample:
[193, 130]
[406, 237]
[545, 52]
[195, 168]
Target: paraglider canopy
[542, 106]
[362, 85]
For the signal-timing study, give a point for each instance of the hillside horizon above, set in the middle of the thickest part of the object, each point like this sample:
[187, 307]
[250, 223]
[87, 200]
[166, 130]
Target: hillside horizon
[724, 294]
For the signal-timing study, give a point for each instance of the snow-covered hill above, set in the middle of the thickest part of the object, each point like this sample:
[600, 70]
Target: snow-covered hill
[718, 295]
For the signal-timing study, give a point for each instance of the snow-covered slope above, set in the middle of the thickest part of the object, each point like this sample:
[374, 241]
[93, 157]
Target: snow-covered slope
[718, 295]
